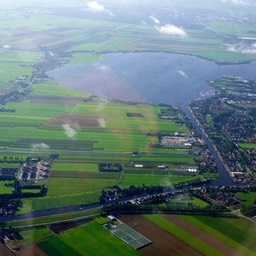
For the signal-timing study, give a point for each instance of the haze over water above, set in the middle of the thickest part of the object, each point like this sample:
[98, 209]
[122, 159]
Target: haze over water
[148, 77]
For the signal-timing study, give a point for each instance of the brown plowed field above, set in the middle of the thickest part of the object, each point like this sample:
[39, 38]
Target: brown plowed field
[54, 99]
[5, 251]
[164, 244]
[61, 227]
[30, 250]
[77, 119]
[207, 238]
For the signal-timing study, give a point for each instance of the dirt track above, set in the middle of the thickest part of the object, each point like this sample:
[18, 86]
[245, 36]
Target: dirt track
[163, 244]
[207, 238]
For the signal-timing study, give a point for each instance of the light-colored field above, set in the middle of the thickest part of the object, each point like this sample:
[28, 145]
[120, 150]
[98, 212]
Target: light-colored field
[153, 179]
[33, 235]
[64, 192]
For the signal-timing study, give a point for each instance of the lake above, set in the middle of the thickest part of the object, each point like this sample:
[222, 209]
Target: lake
[148, 77]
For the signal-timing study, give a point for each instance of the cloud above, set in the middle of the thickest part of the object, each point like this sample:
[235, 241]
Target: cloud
[155, 20]
[242, 48]
[40, 145]
[70, 132]
[101, 67]
[95, 6]
[102, 122]
[239, 2]
[170, 29]
[182, 73]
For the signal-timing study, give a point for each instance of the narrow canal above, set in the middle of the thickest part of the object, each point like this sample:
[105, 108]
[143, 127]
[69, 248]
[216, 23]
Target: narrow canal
[224, 177]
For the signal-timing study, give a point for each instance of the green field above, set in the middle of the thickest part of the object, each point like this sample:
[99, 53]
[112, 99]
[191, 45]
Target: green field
[249, 198]
[37, 122]
[89, 239]
[97, 126]
[52, 118]
[75, 179]
[184, 201]
[53, 89]
[33, 235]
[247, 145]
[6, 189]
[77, 167]
[238, 233]
[153, 179]
[64, 192]
[56, 246]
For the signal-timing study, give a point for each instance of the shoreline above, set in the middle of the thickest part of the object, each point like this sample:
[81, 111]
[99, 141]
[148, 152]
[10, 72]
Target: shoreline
[219, 63]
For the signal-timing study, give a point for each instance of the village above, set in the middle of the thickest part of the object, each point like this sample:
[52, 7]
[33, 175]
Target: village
[28, 180]
[229, 122]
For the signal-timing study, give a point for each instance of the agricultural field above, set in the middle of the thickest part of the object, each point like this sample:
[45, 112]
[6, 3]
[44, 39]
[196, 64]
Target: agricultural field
[247, 145]
[47, 89]
[5, 251]
[83, 129]
[72, 190]
[183, 235]
[29, 236]
[41, 118]
[89, 36]
[170, 235]
[184, 201]
[6, 187]
[237, 233]
[153, 179]
[199, 234]
[248, 198]
[88, 239]
[55, 119]
[92, 132]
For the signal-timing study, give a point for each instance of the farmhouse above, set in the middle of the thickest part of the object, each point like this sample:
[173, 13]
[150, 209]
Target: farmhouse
[162, 166]
[112, 218]
[192, 170]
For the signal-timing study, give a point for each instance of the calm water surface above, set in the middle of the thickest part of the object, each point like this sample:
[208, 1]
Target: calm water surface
[149, 77]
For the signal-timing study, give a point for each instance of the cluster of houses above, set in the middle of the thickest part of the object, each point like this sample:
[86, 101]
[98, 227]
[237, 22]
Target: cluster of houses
[35, 171]
[227, 129]
[220, 196]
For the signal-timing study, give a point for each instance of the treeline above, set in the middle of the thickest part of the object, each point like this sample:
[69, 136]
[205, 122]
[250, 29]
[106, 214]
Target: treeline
[18, 193]
[117, 192]
[129, 208]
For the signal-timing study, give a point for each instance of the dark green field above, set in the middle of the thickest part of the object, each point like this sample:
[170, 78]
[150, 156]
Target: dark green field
[89, 239]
